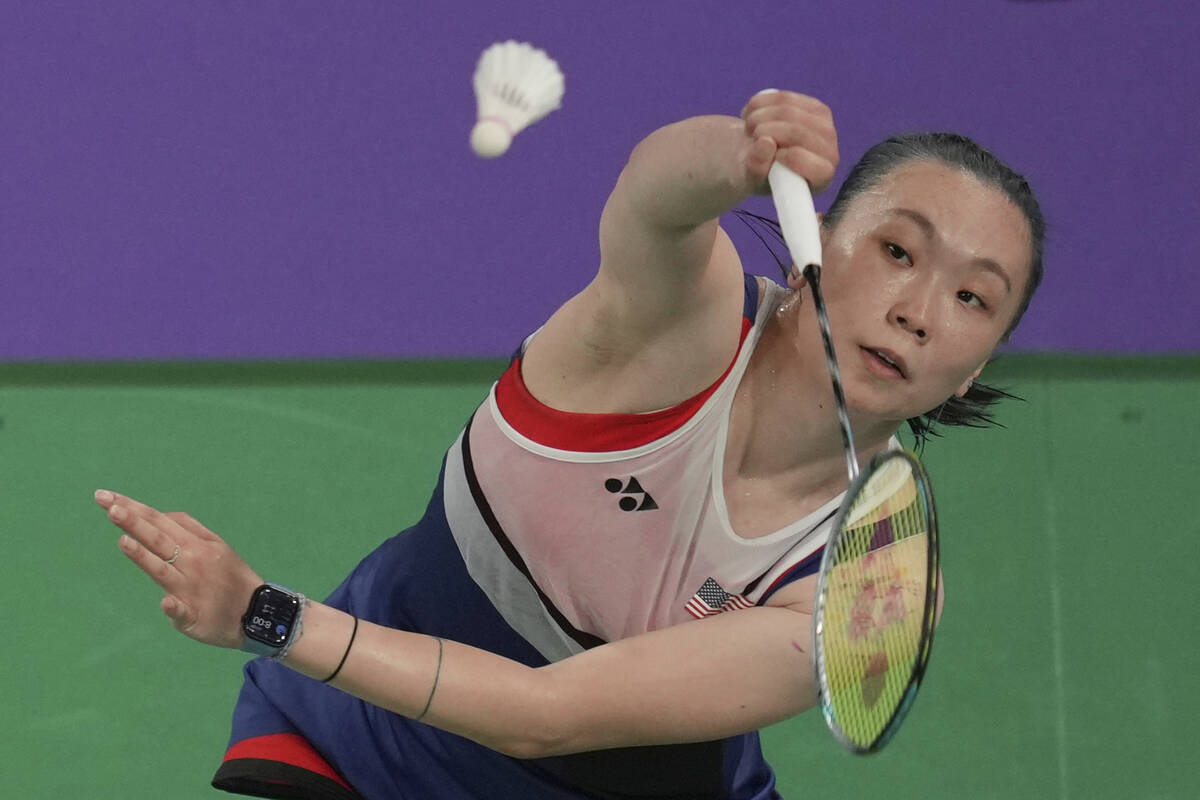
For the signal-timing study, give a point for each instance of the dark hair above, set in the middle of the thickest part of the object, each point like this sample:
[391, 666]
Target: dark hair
[954, 150]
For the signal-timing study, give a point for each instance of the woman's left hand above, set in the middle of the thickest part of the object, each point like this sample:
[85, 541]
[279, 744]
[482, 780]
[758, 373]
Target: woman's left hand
[207, 585]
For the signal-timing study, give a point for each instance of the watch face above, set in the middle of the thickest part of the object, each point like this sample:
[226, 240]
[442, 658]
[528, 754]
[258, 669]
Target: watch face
[271, 615]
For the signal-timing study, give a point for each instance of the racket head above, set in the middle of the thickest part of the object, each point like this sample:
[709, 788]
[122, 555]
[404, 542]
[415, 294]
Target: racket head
[876, 602]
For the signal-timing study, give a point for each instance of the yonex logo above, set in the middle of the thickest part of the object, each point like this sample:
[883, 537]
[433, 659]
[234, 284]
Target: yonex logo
[631, 489]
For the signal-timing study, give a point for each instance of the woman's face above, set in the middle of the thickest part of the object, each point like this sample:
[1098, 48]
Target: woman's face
[922, 276]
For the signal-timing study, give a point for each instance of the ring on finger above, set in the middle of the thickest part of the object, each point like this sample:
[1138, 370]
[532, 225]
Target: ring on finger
[174, 555]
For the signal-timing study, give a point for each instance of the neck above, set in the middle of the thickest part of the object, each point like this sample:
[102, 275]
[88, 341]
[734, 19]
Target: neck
[789, 421]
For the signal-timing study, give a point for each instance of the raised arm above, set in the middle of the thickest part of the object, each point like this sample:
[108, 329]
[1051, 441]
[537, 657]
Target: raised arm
[659, 227]
[660, 320]
[694, 682]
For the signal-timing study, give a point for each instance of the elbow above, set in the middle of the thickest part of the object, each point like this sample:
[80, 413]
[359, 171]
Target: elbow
[543, 731]
[686, 174]
[529, 746]
[535, 742]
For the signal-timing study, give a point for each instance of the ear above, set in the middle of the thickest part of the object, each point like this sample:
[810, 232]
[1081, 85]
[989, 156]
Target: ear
[962, 390]
[794, 279]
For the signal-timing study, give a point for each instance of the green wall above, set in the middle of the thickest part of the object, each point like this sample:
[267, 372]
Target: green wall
[1065, 666]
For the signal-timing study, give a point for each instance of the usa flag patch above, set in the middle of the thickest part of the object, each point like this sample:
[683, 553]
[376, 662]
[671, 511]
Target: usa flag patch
[712, 599]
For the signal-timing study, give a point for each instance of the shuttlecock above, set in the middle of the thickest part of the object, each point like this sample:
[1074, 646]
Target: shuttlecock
[516, 84]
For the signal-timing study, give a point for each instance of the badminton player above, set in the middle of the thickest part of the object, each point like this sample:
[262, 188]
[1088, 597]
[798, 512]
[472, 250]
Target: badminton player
[610, 591]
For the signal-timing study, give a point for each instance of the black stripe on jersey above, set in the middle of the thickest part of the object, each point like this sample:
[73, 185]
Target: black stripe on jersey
[584, 639]
[750, 587]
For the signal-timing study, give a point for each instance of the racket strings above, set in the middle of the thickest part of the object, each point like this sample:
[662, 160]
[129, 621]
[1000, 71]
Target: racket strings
[876, 608]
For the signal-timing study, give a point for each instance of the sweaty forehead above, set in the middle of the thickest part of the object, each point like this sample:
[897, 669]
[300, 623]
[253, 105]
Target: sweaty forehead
[972, 219]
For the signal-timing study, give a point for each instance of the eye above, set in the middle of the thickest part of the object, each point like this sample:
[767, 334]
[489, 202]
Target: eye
[897, 252]
[971, 299]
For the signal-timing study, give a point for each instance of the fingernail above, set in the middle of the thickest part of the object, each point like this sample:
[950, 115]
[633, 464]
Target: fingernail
[104, 496]
[125, 542]
[116, 513]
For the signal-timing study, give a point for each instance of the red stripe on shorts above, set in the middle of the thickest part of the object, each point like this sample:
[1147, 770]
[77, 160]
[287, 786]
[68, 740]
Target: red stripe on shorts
[289, 748]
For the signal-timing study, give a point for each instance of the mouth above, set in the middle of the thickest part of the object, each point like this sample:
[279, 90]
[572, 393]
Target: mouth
[884, 363]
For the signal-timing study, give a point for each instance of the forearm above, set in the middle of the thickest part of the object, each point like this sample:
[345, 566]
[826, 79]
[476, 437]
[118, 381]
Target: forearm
[693, 682]
[661, 247]
[490, 699]
[690, 172]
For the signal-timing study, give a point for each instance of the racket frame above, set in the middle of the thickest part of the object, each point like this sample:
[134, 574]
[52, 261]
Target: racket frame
[928, 612]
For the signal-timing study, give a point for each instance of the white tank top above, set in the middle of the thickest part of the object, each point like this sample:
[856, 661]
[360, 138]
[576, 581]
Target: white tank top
[626, 531]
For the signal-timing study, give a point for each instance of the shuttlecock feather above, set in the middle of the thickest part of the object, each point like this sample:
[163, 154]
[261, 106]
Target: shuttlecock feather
[516, 84]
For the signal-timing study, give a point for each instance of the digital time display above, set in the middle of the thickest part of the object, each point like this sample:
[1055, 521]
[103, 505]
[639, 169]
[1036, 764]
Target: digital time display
[270, 617]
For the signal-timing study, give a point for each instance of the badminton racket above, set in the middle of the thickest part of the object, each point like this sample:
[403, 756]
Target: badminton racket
[876, 600]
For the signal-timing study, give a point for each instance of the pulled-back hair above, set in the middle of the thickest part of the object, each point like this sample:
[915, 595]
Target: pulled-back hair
[959, 152]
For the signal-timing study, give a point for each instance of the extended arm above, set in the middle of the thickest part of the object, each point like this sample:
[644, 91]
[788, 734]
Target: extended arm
[660, 320]
[694, 682]
[697, 681]
[661, 218]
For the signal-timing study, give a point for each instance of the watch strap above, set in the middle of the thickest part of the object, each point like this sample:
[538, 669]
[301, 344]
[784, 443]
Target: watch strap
[258, 648]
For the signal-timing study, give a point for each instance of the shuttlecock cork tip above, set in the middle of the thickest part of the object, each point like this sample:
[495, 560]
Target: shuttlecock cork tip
[490, 138]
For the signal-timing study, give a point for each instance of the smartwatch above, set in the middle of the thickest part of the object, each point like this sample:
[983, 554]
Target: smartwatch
[272, 622]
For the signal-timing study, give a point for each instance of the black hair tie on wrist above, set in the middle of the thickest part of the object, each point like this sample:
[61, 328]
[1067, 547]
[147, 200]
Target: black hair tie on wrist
[345, 655]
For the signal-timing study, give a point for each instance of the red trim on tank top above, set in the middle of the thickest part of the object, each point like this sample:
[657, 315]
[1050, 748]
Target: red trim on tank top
[594, 433]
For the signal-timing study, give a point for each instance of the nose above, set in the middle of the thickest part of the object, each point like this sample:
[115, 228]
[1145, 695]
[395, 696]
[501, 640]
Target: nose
[916, 330]
[913, 312]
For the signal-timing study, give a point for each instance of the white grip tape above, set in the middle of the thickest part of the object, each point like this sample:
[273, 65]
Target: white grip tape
[797, 215]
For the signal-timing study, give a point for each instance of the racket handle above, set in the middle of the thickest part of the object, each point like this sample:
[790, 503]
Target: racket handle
[797, 216]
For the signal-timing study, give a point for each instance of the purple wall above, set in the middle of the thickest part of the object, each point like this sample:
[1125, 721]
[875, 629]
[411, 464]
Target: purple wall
[292, 179]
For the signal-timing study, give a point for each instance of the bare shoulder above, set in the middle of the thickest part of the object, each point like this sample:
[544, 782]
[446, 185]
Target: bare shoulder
[661, 319]
[631, 343]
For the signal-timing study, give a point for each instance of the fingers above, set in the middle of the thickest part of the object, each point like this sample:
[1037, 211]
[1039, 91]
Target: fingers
[171, 523]
[180, 614]
[193, 526]
[792, 127]
[761, 156]
[110, 500]
[802, 129]
[158, 570]
[769, 98]
[814, 168]
[152, 529]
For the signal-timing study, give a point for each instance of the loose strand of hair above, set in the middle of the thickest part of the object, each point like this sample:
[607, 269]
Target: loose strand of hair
[749, 218]
[972, 410]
